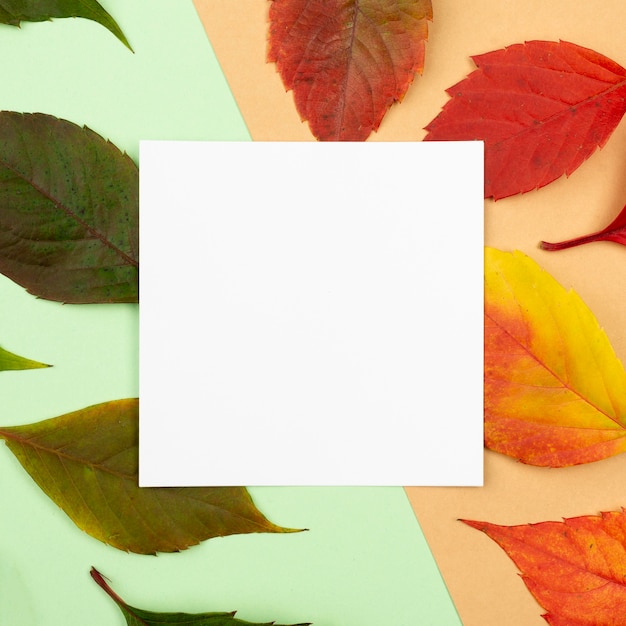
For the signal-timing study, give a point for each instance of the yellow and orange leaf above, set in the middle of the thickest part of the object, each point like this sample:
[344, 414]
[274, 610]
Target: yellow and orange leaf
[555, 392]
[575, 569]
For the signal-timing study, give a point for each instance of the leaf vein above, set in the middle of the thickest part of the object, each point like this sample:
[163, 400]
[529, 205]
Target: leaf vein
[72, 214]
[545, 366]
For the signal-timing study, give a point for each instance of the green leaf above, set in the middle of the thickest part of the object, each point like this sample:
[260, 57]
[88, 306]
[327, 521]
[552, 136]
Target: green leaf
[139, 617]
[87, 462]
[69, 211]
[10, 361]
[15, 11]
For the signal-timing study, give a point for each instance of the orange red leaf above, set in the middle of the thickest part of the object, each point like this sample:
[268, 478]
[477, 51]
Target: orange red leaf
[575, 569]
[542, 108]
[555, 392]
[347, 61]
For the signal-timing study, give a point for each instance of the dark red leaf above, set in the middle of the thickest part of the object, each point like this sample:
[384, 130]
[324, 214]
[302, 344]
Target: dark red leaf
[542, 108]
[615, 231]
[347, 61]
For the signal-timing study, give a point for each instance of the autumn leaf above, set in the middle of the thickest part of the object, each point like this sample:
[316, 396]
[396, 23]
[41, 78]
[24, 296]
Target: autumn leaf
[542, 108]
[10, 361]
[347, 61]
[87, 462]
[13, 12]
[615, 231]
[555, 392]
[576, 569]
[68, 211]
[139, 617]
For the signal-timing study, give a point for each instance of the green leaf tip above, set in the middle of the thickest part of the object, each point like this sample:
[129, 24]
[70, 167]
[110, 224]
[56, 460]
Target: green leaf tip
[10, 361]
[44, 10]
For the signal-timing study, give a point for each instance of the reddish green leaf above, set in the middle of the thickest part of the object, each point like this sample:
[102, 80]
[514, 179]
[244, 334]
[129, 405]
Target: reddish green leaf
[615, 231]
[87, 462]
[542, 108]
[15, 11]
[576, 569]
[68, 211]
[347, 61]
[139, 617]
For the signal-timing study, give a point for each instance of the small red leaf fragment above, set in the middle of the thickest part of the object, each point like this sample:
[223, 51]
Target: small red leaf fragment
[575, 569]
[347, 61]
[615, 231]
[542, 108]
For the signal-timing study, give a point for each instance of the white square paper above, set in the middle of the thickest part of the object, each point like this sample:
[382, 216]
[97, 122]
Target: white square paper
[311, 313]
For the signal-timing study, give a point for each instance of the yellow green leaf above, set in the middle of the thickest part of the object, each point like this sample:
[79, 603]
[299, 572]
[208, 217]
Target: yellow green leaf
[87, 462]
[10, 361]
[555, 392]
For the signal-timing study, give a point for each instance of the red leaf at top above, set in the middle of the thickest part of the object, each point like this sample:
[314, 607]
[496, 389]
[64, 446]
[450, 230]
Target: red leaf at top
[576, 569]
[615, 231]
[541, 108]
[347, 61]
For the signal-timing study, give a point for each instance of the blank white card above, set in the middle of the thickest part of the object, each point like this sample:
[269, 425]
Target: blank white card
[311, 313]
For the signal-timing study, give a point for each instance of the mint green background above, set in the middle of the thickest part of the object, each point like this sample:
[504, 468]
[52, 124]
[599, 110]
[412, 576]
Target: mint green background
[364, 561]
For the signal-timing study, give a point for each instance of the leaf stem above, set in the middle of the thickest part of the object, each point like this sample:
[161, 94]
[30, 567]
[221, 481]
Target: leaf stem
[99, 578]
[570, 243]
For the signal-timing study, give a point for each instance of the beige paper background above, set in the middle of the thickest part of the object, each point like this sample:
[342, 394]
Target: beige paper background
[481, 579]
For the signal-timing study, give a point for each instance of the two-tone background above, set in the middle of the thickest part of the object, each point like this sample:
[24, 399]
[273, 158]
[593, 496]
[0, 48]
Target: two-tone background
[371, 555]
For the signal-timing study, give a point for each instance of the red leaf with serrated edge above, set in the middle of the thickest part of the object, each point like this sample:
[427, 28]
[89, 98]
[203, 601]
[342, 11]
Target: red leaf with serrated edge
[542, 108]
[347, 61]
[615, 231]
[575, 569]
